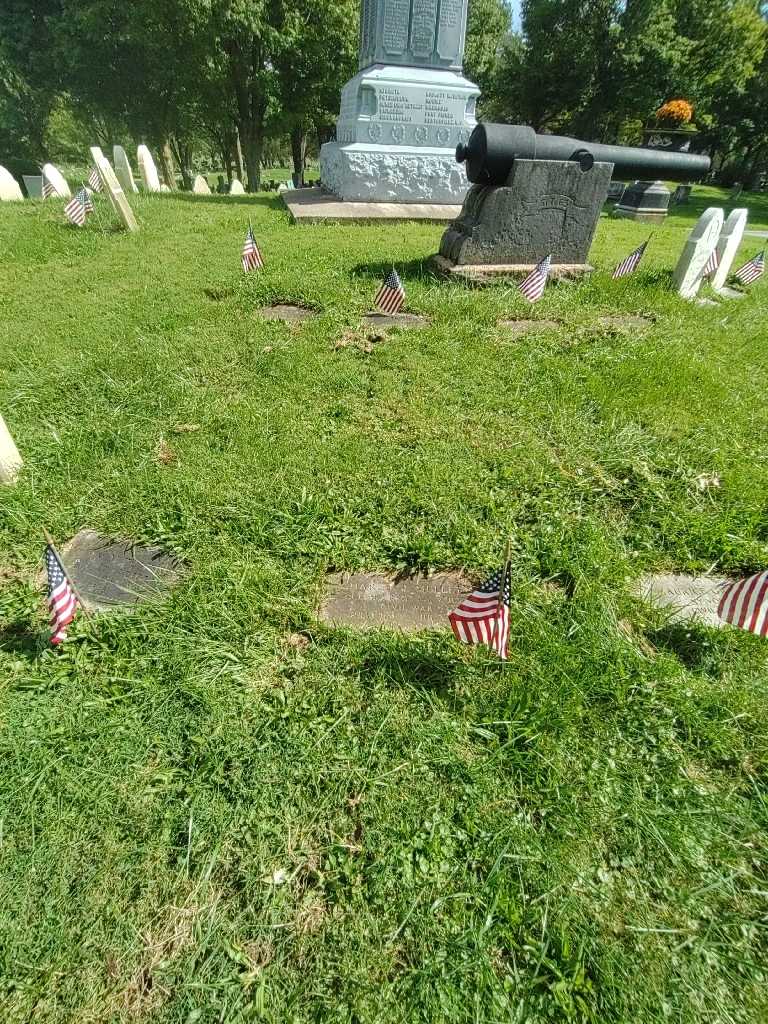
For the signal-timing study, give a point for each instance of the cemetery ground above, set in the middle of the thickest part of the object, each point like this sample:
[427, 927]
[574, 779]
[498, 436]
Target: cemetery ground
[215, 809]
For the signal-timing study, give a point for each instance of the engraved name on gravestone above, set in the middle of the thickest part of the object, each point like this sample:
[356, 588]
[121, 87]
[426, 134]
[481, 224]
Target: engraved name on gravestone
[373, 600]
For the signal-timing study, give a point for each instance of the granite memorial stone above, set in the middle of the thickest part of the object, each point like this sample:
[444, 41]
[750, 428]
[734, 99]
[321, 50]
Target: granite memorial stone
[727, 247]
[408, 107]
[236, 188]
[699, 247]
[33, 183]
[123, 170]
[109, 573]
[56, 180]
[147, 170]
[10, 190]
[112, 187]
[200, 186]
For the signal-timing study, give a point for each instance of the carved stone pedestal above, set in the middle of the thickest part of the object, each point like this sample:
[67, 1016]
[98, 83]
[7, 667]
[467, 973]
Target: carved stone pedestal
[547, 207]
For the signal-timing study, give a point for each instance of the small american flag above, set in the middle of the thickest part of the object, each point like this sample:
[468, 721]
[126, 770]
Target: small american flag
[48, 190]
[533, 286]
[712, 264]
[391, 295]
[251, 256]
[78, 207]
[630, 263]
[745, 604]
[94, 180]
[62, 599]
[483, 616]
[753, 269]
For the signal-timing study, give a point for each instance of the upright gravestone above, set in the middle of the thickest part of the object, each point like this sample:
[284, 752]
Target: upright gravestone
[236, 188]
[200, 186]
[56, 180]
[147, 170]
[408, 107]
[113, 189]
[10, 460]
[10, 190]
[123, 169]
[701, 244]
[727, 247]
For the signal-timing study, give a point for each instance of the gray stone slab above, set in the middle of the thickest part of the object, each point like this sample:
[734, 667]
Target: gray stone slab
[110, 573]
[314, 205]
[285, 311]
[685, 598]
[385, 320]
[483, 273]
[372, 600]
[627, 321]
[529, 326]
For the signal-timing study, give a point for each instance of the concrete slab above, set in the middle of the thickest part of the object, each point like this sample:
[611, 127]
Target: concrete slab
[315, 205]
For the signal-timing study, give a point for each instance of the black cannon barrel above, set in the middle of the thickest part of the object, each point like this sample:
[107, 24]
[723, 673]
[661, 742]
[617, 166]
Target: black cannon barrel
[493, 148]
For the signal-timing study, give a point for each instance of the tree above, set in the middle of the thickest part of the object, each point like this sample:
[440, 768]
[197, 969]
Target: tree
[488, 24]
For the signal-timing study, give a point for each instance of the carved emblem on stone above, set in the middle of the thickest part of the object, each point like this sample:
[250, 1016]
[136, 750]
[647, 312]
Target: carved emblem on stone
[374, 132]
[420, 134]
[397, 133]
[442, 136]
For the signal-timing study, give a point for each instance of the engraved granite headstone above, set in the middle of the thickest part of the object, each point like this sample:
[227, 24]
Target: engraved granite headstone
[701, 243]
[408, 107]
[109, 573]
[368, 600]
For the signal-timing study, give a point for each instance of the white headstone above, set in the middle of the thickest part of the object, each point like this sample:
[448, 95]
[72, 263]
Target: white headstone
[123, 169]
[112, 187]
[699, 247]
[33, 183]
[10, 460]
[147, 169]
[164, 187]
[55, 178]
[236, 188]
[10, 190]
[200, 186]
[728, 245]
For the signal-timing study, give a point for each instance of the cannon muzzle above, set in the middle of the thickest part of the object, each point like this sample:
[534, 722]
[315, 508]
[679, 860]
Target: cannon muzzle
[493, 148]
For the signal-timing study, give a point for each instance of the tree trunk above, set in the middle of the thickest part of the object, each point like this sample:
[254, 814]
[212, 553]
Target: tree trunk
[183, 154]
[299, 152]
[166, 164]
[252, 139]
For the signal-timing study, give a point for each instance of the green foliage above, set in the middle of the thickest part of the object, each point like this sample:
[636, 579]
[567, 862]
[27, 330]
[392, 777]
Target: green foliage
[216, 810]
[488, 24]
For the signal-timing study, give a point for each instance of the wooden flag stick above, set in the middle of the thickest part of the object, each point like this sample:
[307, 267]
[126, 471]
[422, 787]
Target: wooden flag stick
[502, 586]
[75, 591]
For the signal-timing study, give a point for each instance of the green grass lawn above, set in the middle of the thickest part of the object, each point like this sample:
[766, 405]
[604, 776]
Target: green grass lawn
[216, 810]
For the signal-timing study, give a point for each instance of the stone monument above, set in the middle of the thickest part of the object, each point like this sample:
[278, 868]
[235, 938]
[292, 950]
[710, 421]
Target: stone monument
[727, 247]
[56, 180]
[700, 245]
[407, 109]
[112, 187]
[147, 170]
[200, 186]
[123, 169]
[10, 190]
[236, 188]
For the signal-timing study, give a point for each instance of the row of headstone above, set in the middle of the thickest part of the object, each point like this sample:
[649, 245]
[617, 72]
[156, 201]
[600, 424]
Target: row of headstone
[711, 233]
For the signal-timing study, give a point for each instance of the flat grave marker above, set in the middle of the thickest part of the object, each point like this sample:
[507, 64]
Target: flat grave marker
[687, 598]
[370, 600]
[111, 573]
[285, 311]
[387, 320]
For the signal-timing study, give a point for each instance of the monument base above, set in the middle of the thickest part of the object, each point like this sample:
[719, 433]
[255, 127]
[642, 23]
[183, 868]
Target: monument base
[314, 205]
[363, 172]
[486, 272]
[546, 207]
[644, 201]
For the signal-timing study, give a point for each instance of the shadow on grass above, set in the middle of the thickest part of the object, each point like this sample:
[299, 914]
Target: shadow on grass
[270, 200]
[18, 638]
[691, 645]
[403, 664]
[413, 269]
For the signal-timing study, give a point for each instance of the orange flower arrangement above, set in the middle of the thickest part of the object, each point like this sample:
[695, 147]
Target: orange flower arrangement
[675, 112]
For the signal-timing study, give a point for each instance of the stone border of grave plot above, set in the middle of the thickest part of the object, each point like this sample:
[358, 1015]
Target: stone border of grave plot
[287, 311]
[481, 273]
